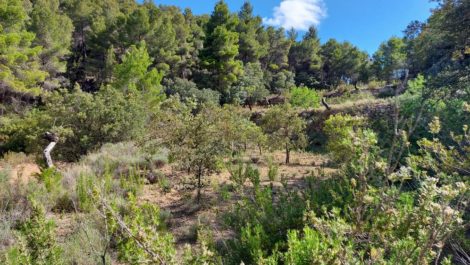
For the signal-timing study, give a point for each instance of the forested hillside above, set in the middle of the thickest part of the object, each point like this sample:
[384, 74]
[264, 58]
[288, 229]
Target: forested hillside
[132, 133]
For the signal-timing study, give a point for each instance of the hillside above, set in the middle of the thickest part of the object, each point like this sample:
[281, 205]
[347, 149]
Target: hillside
[137, 133]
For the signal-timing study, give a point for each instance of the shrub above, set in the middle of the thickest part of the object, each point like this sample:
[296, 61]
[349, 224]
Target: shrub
[164, 183]
[189, 92]
[84, 188]
[86, 245]
[51, 178]
[339, 129]
[273, 170]
[85, 121]
[261, 223]
[304, 97]
[237, 175]
[313, 247]
[36, 241]
[139, 235]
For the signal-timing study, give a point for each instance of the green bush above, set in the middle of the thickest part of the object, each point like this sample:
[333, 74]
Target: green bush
[84, 189]
[339, 129]
[304, 97]
[164, 183]
[83, 122]
[51, 178]
[142, 241]
[273, 170]
[189, 92]
[36, 243]
[261, 223]
[313, 247]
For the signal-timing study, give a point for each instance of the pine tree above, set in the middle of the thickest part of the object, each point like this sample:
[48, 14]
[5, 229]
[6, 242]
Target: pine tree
[54, 33]
[19, 63]
[389, 59]
[221, 49]
[305, 60]
[248, 28]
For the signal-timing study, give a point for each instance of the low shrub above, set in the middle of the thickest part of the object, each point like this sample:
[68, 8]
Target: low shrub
[36, 241]
[304, 97]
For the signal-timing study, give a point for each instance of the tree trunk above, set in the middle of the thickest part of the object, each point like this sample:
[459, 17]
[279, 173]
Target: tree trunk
[47, 154]
[199, 185]
[287, 154]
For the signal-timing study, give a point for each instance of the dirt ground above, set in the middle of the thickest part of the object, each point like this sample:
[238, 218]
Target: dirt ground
[186, 215]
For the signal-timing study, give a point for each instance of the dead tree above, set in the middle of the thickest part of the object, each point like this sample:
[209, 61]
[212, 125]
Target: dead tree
[323, 101]
[53, 139]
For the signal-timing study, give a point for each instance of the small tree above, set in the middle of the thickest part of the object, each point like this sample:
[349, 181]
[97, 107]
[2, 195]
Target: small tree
[197, 142]
[285, 129]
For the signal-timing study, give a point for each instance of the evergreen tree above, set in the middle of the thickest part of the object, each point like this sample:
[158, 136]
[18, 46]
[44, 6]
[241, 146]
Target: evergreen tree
[54, 33]
[305, 59]
[221, 49]
[133, 73]
[248, 28]
[278, 46]
[390, 59]
[19, 62]
[343, 62]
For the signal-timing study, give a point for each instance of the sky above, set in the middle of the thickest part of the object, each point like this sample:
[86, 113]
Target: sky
[365, 23]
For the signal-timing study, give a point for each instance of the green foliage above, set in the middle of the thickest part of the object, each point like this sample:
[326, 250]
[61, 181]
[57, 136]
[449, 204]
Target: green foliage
[390, 59]
[36, 241]
[438, 48]
[221, 49]
[305, 59]
[53, 31]
[339, 130]
[402, 211]
[51, 178]
[83, 122]
[304, 97]
[198, 143]
[140, 239]
[357, 217]
[343, 62]
[273, 170]
[249, 45]
[19, 61]
[188, 92]
[285, 129]
[261, 224]
[316, 248]
[250, 87]
[86, 244]
[134, 77]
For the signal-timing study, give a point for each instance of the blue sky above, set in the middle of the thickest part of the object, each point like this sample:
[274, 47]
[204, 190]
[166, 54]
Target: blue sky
[365, 23]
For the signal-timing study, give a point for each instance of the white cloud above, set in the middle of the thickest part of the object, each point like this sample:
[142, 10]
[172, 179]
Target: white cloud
[297, 14]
